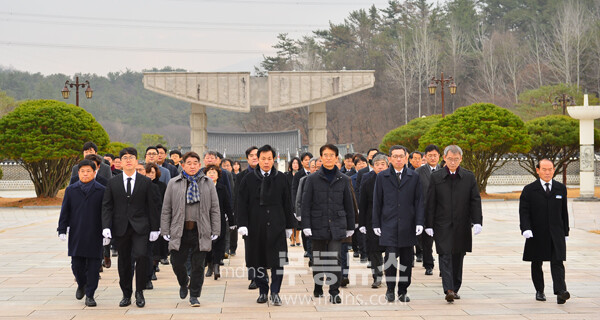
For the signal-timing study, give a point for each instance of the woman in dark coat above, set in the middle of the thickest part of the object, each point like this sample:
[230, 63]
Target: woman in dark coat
[160, 248]
[265, 217]
[293, 167]
[214, 256]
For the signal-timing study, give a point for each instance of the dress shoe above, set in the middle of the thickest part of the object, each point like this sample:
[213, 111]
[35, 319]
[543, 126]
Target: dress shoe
[139, 299]
[125, 302]
[90, 302]
[194, 302]
[306, 254]
[153, 278]
[156, 268]
[80, 293]
[226, 255]
[364, 260]
[456, 296]
[217, 272]
[318, 292]
[149, 285]
[164, 261]
[292, 245]
[356, 254]
[428, 272]
[344, 282]
[262, 298]
[252, 285]
[232, 253]
[107, 262]
[183, 291]
[221, 263]
[275, 299]
[450, 296]
[540, 296]
[419, 258]
[562, 297]
[114, 253]
[209, 270]
[335, 299]
[403, 297]
[376, 284]
[390, 296]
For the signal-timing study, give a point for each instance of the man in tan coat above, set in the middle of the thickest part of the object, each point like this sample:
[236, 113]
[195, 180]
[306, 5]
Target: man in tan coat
[190, 220]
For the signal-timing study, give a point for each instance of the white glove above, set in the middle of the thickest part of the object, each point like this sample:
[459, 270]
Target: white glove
[355, 226]
[213, 237]
[105, 241]
[106, 233]
[477, 229]
[349, 233]
[419, 230]
[288, 233]
[377, 231]
[566, 239]
[243, 231]
[153, 235]
[62, 236]
[167, 237]
[363, 230]
[232, 227]
[429, 232]
[307, 232]
[299, 218]
[527, 234]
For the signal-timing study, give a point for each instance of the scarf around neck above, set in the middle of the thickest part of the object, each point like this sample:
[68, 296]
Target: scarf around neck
[193, 192]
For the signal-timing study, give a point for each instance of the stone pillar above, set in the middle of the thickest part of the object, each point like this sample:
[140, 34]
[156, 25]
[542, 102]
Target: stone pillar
[317, 127]
[198, 134]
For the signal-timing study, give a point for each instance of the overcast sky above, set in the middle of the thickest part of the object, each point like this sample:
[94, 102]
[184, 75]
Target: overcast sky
[198, 35]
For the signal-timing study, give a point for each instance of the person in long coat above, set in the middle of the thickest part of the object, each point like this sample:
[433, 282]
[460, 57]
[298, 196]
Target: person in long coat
[544, 222]
[365, 217]
[398, 218]
[81, 214]
[266, 218]
[453, 208]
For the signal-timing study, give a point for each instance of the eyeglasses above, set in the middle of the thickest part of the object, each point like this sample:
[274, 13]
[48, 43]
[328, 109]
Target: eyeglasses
[453, 160]
[127, 158]
[399, 156]
[151, 154]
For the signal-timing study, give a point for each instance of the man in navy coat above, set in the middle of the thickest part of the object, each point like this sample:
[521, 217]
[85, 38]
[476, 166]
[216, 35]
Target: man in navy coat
[398, 218]
[81, 215]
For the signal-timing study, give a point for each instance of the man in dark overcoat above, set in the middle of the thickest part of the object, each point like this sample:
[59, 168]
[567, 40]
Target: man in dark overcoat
[398, 218]
[266, 218]
[544, 222]
[81, 213]
[453, 208]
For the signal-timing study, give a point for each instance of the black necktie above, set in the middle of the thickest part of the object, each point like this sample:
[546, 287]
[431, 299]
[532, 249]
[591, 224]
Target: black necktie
[399, 174]
[432, 169]
[547, 188]
[128, 187]
[266, 174]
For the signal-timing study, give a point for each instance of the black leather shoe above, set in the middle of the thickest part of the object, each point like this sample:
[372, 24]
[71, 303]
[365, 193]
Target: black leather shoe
[318, 292]
[562, 297]
[419, 258]
[356, 254]
[344, 282]
[403, 297]
[275, 299]
[217, 272]
[183, 291]
[139, 299]
[154, 278]
[79, 293]
[428, 272]
[149, 285]
[164, 261]
[376, 284]
[252, 285]
[390, 296]
[90, 302]
[194, 302]
[262, 298]
[456, 296]
[540, 296]
[336, 299]
[125, 302]
[450, 296]
[209, 270]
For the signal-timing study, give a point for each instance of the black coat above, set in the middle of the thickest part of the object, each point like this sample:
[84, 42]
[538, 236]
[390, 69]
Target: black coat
[327, 208]
[398, 207]
[453, 206]
[296, 181]
[265, 208]
[347, 172]
[365, 214]
[548, 219]
[141, 210]
[225, 208]
[82, 213]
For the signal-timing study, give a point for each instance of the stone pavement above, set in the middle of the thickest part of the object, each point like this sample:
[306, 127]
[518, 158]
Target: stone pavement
[36, 280]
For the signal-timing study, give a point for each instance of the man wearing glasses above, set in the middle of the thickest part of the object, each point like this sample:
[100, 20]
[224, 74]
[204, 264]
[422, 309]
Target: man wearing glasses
[152, 156]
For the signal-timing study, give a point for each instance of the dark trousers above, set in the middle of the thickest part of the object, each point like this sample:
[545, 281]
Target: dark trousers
[262, 280]
[217, 252]
[426, 244]
[233, 241]
[344, 259]
[326, 264]
[376, 265]
[406, 256]
[87, 273]
[307, 245]
[132, 247]
[451, 267]
[557, 269]
[189, 246]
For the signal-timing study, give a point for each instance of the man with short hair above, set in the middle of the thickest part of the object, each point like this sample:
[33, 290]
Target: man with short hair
[544, 222]
[91, 148]
[398, 218]
[175, 155]
[152, 156]
[97, 161]
[453, 208]
[328, 220]
[161, 160]
[348, 168]
[414, 161]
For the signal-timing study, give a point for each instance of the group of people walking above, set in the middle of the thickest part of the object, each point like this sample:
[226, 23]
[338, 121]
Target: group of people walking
[383, 205]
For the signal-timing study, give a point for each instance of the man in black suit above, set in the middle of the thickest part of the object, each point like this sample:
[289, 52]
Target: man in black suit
[348, 168]
[545, 224]
[432, 155]
[130, 212]
[358, 240]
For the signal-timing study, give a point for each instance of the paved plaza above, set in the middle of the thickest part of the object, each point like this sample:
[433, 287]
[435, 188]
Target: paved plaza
[36, 279]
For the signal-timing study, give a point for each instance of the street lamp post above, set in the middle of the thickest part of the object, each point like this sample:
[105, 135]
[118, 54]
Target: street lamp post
[562, 100]
[88, 92]
[433, 85]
